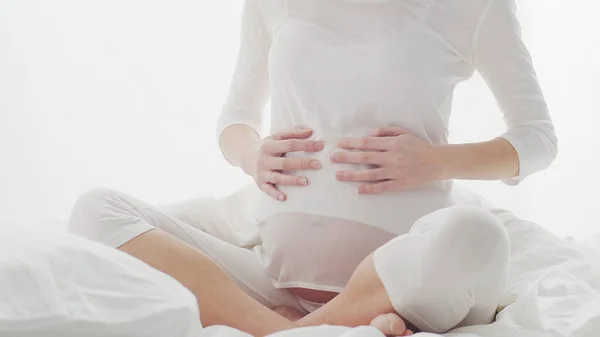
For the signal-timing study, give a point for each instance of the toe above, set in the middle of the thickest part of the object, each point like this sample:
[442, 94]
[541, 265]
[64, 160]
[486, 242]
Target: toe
[389, 324]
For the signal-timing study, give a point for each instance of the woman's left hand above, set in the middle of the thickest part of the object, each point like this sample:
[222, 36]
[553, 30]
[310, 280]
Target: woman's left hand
[402, 160]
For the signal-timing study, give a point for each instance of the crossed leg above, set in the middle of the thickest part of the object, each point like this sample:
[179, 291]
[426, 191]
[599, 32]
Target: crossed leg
[449, 271]
[397, 278]
[227, 280]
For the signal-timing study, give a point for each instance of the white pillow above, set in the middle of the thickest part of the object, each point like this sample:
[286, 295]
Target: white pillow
[54, 284]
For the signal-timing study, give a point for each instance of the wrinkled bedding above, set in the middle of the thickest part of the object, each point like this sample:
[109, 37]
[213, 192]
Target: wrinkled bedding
[554, 283]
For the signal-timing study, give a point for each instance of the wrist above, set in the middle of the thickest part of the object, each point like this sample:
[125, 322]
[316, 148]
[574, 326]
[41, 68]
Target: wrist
[247, 157]
[235, 142]
[447, 161]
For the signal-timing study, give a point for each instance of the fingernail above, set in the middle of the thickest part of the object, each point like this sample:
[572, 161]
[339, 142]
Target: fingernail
[339, 175]
[303, 181]
[333, 157]
[319, 146]
[281, 198]
[315, 165]
[361, 189]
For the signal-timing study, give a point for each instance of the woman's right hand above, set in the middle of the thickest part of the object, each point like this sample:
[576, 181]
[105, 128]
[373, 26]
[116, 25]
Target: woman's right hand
[265, 161]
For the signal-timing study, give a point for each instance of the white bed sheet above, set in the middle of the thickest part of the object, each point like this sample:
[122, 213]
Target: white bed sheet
[554, 287]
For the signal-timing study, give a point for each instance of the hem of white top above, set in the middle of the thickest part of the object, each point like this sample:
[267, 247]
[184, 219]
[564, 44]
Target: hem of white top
[306, 285]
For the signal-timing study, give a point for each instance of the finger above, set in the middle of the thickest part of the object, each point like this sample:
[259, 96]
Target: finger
[286, 180]
[373, 158]
[290, 164]
[366, 143]
[378, 188]
[299, 132]
[292, 145]
[364, 175]
[388, 131]
[270, 190]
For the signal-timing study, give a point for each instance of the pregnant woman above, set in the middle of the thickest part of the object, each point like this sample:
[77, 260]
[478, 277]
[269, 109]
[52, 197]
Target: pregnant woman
[356, 218]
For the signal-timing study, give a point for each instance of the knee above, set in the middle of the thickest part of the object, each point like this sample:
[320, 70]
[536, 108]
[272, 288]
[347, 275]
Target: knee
[473, 221]
[95, 199]
[477, 231]
[90, 208]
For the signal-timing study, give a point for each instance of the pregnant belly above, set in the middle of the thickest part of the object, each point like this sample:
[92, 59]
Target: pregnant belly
[313, 242]
[393, 212]
[314, 256]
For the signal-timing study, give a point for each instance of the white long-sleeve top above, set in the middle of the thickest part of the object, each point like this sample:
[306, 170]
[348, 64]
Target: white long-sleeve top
[346, 67]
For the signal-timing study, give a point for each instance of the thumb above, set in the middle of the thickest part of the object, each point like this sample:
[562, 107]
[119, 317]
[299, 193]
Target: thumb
[298, 132]
[301, 128]
[388, 131]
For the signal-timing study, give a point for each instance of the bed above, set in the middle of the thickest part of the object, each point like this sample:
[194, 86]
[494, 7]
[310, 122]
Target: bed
[57, 285]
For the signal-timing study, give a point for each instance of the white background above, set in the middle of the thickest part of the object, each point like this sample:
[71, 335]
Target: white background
[126, 94]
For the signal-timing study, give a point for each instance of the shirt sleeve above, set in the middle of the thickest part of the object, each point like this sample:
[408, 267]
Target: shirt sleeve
[249, 88]
[500, 56]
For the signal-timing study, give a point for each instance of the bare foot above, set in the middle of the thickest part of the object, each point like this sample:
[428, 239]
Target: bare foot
[289, 313]
[391, 325]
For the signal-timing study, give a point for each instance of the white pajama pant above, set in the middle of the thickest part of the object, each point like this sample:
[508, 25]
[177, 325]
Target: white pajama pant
[450, 270]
